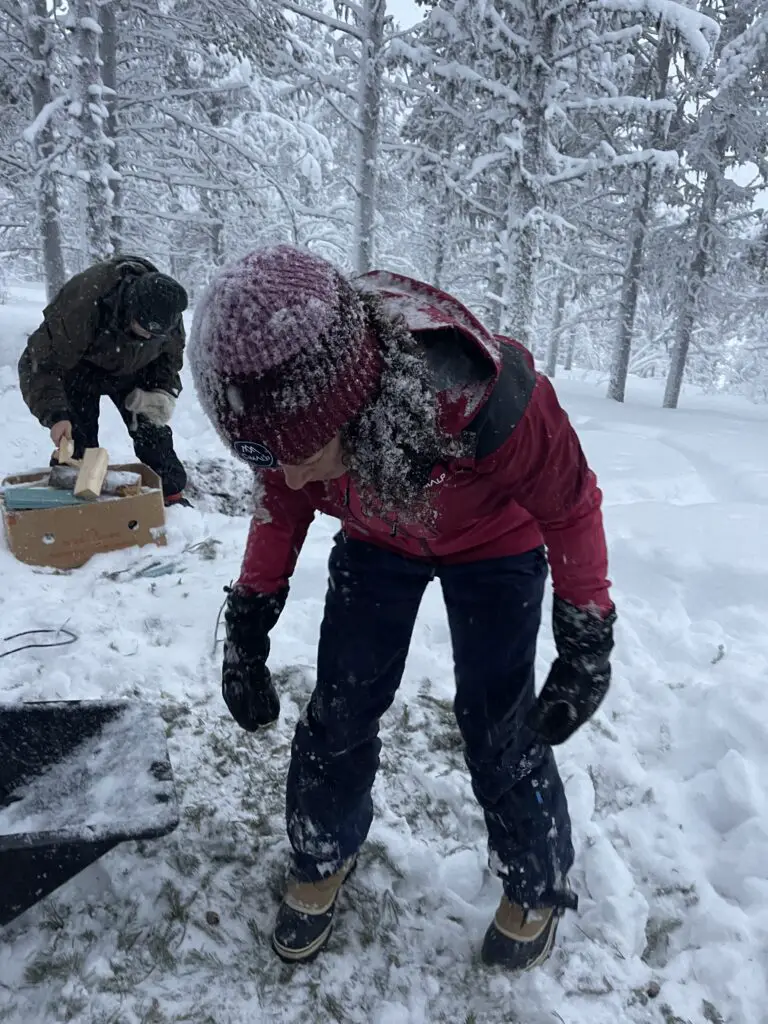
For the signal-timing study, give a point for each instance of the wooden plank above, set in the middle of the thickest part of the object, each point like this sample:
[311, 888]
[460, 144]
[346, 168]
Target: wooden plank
[92, 472]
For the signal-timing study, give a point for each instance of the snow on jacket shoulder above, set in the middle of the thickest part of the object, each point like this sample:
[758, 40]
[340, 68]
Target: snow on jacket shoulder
[528, 483]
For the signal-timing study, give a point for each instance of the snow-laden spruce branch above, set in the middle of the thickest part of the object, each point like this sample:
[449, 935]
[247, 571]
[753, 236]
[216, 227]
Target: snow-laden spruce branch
[699, 31]
[42, 120]
[320, 17]
[177, 180]
[316, 76]
[128, 101]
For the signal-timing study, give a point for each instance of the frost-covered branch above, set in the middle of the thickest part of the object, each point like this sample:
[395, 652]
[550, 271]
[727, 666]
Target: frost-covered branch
[327, 20]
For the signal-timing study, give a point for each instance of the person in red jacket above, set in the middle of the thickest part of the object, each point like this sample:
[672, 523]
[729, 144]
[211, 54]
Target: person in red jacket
[384, 402]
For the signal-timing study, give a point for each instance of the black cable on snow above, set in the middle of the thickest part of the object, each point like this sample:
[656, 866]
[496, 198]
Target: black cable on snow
[70, 639]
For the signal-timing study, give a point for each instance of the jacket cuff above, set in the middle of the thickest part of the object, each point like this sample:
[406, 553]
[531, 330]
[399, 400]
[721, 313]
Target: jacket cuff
[169, 389]
[55, 417]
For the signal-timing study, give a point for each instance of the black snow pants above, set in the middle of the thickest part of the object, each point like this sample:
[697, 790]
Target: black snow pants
[494, 613]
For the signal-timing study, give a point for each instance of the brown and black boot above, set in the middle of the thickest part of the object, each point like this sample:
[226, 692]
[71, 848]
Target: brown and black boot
[305, 918]
[520, 939]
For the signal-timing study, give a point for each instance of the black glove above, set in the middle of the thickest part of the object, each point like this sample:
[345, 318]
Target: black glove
[579, 679]
[246, 684]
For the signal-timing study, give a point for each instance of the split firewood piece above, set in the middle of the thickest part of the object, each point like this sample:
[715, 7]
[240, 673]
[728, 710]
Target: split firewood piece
[66, 452]
[93, 469]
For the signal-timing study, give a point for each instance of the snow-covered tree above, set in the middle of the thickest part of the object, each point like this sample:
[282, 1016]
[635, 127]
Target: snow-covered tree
[730, 131]
[362, 35]
[521, 76]
[109, 53]
[668, 63]
[88, 115]
[30, 97]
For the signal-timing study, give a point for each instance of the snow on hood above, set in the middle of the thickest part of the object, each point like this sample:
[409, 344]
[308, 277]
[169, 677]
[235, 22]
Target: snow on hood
[426, 308]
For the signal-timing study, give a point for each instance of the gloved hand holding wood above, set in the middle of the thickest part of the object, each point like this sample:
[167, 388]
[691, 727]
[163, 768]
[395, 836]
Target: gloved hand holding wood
[156, 405]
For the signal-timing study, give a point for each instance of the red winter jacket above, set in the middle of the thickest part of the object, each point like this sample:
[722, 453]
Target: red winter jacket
[534, 487]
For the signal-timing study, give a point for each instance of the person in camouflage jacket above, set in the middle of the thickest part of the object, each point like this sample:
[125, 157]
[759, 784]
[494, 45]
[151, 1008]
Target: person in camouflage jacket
[115, 329]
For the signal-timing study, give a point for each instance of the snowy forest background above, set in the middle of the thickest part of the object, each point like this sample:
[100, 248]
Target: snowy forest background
[588, 175]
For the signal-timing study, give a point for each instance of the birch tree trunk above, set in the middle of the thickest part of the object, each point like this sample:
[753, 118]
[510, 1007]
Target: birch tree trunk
[109, 45]
[697, 274]
[570, 351]
[630, 289]
[630, 285]
[210, 201]
[93, 146]
[495, 292]
[524, 226]
[441, 241]
[369, 110]
[523, 257]
[40, 41]
[557, 326]
[211, 205]
[496, 268]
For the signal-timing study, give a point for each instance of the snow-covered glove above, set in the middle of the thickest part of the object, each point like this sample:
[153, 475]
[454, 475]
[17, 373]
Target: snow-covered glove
[580, 676]
[157, 406]
[246, 683]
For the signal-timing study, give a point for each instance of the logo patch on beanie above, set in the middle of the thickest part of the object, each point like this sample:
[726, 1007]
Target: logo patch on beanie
[255, 453]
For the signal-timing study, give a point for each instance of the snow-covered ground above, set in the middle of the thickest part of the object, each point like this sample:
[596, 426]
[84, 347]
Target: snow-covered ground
[668, 787]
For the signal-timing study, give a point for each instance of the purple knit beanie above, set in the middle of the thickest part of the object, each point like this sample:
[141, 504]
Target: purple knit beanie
[281, 355]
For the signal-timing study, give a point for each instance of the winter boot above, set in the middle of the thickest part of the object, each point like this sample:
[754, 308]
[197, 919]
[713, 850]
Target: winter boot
[520, 939]
[177, 499]
[305, 918]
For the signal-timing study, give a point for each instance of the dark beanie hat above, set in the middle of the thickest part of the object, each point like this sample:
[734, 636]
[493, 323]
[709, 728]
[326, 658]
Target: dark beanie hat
[154, 301]
[281, 355]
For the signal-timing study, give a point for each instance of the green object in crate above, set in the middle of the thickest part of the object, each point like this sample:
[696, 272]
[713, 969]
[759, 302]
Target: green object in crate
[23, 499]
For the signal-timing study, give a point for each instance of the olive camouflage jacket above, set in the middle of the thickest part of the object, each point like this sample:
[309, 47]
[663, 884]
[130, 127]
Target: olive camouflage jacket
[82, 327]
